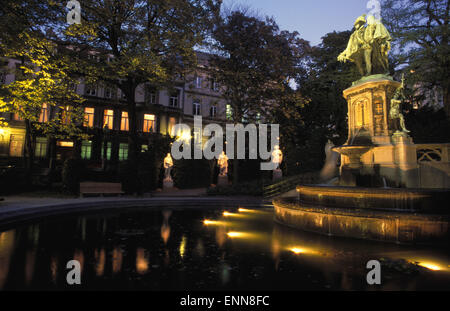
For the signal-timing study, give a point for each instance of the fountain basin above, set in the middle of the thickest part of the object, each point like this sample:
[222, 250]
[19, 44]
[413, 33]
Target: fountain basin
[369, 224]
[429, 201]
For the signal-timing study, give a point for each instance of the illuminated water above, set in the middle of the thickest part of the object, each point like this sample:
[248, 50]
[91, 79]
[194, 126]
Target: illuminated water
[177, 250]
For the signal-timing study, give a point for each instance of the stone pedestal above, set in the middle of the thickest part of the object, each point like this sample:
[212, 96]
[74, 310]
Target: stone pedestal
[277, 175]
[373, 147]
[222, 181]
[168, 184]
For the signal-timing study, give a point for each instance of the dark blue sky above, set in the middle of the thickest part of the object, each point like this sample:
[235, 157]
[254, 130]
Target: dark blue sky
[311, 18]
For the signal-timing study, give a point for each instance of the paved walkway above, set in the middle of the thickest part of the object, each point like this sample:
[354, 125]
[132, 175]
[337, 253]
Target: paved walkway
[15, 208]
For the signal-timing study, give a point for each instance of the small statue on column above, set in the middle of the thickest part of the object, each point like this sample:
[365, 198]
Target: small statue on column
[222, 162]
[168, 164]
[395, 112]
[277, 158]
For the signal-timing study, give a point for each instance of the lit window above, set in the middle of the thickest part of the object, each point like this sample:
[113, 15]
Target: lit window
[229, 113]
[123, 152]
[108, 119]
[144, 148]
[124, 124]
[213, 111]
[149, 123]
[196, 109]
[171, 127]
[173, 100]
[41, 147]
[86, 150]
[108, 151]
[17, 117]
[65, 115]
[89, 117]
[16, 146]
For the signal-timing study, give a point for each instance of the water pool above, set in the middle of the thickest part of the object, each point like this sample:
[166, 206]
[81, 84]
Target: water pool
[204, 249]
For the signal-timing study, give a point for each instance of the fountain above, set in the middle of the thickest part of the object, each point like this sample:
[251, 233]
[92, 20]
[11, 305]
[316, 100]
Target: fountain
[389, 188]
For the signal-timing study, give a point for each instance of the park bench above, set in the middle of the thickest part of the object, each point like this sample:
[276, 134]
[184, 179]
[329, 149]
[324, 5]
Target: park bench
[100, 189]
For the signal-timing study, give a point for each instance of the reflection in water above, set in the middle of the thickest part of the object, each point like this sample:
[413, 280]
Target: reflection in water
[141, 261]
[165, 228]
[29, 265]
[206, 249]
[117, 258]
[6, 247]
[183, 246]
[54, 268]
[100, 259]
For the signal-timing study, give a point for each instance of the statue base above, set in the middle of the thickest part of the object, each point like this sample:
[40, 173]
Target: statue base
[168, 184]
[277, 175]
[222, 180]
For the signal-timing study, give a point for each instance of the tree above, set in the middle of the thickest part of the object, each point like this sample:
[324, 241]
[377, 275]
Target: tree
[138, 42]
[255, 63]
[420, 29]
[41, 77]
[324, 116]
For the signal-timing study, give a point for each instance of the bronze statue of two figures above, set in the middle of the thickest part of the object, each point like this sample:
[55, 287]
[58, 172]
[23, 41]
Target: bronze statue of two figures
[368, 46]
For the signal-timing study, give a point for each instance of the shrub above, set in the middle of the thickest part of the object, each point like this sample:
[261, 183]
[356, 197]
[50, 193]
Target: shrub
[188, 174]
[254, 188]
[71, 176]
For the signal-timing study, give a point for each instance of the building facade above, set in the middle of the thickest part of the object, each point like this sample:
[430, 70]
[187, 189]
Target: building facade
[106, 118]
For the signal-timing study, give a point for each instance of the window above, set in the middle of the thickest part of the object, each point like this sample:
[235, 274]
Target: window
[86, 149]
[144, 148]
[108, 118]
[229, 113]
[198, 82]
[108, 92]
[41, 147]
[65, 115]
[213, 111]
[152, 97]
[108, 151]
[17, 117]
[89, 117]
[16, 146]
[124, 124]
[149, 123]
[214, 85]
[171, 127]
[123, 152]
[91, 90]
[173, 100]
[94, 57]
[196, 109]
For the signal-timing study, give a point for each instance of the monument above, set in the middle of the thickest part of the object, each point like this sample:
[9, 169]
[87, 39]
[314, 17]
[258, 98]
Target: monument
[222, 162]
[389, 188]
[277, 159]
[168, 164]
[379, 149]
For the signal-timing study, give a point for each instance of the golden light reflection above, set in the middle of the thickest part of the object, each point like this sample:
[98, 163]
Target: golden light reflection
[183, 246]
[117, 257]
[244, 235]
[228, 214]
[431, 266]
[301, 250]
[207, 222]
[100, 262]
[141, 261]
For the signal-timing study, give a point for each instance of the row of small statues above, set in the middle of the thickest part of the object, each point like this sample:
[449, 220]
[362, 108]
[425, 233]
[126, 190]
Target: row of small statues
[222, 162]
